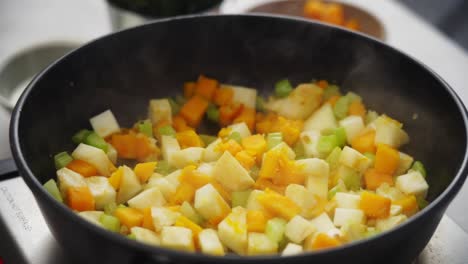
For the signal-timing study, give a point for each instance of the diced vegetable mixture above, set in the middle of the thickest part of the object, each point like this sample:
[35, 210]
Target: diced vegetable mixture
[308, 168]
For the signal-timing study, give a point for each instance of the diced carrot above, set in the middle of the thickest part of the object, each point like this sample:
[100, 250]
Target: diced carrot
[231, 145]
[375, 206]
[256, 221]
[129, 217]
[143, 147]
[115, 178]
[125, 145]
[147, 219]
[193, 110]
[144, 170]
[255, 145]
[223, 96]
[227, 113]
[245, 159]
[189, 89]
[180, 124]
[322, 84]
[278, 205]
[80, 199]
[185, 192]
[82, 167]
[323, 241]
[206, 87]
[409, 205]
[189, 138]
[332, 100]
[386, 159]
[357, 108]
[364, 142]
[373, 179]
[183, 221]
[263, 184]
[247, 115]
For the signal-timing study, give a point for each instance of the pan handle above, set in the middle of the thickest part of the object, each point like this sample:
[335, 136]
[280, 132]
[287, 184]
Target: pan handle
[8, 169]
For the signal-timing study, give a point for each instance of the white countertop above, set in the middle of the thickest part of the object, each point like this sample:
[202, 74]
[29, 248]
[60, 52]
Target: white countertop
[81, 21]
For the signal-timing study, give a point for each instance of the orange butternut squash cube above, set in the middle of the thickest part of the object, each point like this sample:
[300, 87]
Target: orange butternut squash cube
[129, 217]
[373, 179]
[256, 221]
[278, 205]
[386, 159]
[323, 241]
[80, 199]
[194, 110]
[409, 205]
[144, 170]
[375, 206]
[364, 142]
[206, 87]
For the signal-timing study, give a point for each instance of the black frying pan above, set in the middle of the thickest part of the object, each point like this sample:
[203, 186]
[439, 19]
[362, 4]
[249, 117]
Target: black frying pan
[123, 71]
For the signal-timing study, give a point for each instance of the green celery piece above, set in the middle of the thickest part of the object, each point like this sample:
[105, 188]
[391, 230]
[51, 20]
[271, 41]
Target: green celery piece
[340, 134]
[207, 139]
[333, 158]
[131, 236]
[260, 104]
[235, 136]
[326, 144]
[167, 131]
[240, 198]
[299, 150]
[371, 233]
[110, 222]
[180, 100]
[145, 127]
[188, 211]
[95, 140]
[52, 189]
[341, 107]
[62, 159]
[175, 107]
[422, 203]
[110, 208]
[273, 139]
[371, 116]
[254, 171]
[353, 97]
[80, 136]
[330, 91]
[418, 166]
[350, 177]
[283, 88]
[212, 113]
[333, 191]
[163, 168]
[275, 228]
[370, 156]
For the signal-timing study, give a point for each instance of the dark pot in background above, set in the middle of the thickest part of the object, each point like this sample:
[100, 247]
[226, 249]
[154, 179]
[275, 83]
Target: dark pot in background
[124, 70]
[130, 13]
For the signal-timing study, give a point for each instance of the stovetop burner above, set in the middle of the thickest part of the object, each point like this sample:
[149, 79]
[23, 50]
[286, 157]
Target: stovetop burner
[28, 240]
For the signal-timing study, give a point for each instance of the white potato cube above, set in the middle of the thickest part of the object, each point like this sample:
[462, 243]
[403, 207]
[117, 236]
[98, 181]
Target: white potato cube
[187, 156]
[104, 124]
[179, 238]
[298, 229]
[353, 231]
[209, 242]
[309, 140]
[412, 183]
[243, 95]
[111, 153]
[252, 202]
[389, 223]
[395, 209]
[260, 244]
[68, 178]
[94, 156]
[206, 169]
[92, 216]
[159, 109]
[317, 172]
[353, 126]
[303, 197]
[232, 231]
[348, 216]
[147, 198]
[354, 159]
[240, 128]
[210, 204]
[173, 178]
[163, 217]
[165, 187]
[187, 210]
[347, 200]
[321, 120]
[212, 151]
[102, 191]
[292, 249]
[390, 192]
[146, 236]
[230, 173]
[404, 164]
[389, 131]
[169, 145]
[322, 223]
[129, 185]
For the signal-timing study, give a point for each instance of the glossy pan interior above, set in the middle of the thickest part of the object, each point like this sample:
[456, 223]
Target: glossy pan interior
[123, 71]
